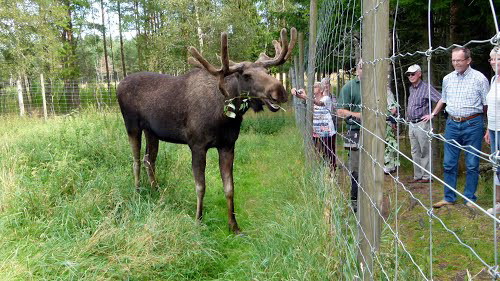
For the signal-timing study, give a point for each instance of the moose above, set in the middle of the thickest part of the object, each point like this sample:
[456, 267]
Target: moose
[193, 109]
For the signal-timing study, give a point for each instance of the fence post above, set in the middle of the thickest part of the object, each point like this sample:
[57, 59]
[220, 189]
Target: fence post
[20, 96]
[313, 19]
[374, 97]
[44, 100]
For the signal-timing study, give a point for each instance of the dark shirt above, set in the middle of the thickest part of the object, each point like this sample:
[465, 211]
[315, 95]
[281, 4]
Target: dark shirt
[350, 99]
[418, 102]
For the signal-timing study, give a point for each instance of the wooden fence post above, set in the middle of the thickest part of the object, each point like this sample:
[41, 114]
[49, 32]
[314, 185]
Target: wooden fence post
[44, 100]
[374, 98]
[20, 96]
[311, 65]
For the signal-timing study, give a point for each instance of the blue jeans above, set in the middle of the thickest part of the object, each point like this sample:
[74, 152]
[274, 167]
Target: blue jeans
[493, 150]
[469, 132]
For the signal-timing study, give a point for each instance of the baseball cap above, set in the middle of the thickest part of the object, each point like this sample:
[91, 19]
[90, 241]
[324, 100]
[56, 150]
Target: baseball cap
[413, 68]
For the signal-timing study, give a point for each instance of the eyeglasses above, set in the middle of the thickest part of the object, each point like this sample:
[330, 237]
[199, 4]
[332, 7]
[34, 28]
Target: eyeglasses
[458, 61]
[411, 74]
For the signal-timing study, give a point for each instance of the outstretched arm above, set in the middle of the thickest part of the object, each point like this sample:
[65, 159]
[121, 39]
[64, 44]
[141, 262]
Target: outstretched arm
[344, 113]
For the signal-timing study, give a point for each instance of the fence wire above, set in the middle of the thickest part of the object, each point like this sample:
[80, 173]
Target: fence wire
[339, 44]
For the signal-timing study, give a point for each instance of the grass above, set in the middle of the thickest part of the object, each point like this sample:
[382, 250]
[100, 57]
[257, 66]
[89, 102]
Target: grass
[68, 209]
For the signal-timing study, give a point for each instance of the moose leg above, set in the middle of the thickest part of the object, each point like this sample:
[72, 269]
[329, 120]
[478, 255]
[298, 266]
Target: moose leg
[226, 158]
[150, 157]
[135, 142]
[199, 159]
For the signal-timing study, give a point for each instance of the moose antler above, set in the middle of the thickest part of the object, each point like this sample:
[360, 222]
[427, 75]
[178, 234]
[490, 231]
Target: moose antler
[199, 61]
[282, 50]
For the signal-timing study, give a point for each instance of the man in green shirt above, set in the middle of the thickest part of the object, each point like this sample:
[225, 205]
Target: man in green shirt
[349, 108]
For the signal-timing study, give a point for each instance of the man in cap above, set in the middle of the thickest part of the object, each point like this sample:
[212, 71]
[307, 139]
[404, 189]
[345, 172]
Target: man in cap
[421, 94]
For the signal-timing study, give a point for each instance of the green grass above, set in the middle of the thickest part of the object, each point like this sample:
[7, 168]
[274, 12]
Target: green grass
[68, 209]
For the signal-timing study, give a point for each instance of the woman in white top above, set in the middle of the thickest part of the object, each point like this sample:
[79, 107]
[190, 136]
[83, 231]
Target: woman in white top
[323, 127]
[492, 136]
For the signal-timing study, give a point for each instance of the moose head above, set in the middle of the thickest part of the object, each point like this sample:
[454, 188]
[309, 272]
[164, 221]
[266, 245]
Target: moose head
[189, 109]
[253, 77]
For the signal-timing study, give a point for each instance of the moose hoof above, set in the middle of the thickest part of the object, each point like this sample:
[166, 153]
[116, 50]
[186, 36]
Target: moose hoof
[235, 230]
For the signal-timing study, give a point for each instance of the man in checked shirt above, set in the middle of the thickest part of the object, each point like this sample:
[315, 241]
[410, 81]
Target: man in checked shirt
[464, 93]
[418, 106]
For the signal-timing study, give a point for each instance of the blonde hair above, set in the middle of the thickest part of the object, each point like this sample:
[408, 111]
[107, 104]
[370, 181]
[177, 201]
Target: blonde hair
[325, 84]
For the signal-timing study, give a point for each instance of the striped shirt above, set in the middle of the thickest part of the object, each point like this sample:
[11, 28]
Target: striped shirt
[418, 102]
[322, 119]
[465, 94]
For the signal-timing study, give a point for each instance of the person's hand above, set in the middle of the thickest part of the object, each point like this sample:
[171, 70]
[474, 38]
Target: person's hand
[294, 91]
[427, 117]
[487, 137]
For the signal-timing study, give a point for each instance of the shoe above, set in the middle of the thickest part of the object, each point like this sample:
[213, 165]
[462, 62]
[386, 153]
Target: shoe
[414, 180]
[442, 203]
[424, 180]
[469, 204]
[497, 209]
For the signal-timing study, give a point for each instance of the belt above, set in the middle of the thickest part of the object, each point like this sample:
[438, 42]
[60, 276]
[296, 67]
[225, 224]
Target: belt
[463, 119]
[415, 120]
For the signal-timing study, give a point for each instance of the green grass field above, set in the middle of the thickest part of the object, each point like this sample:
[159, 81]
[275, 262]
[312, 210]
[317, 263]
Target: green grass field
[69, 211]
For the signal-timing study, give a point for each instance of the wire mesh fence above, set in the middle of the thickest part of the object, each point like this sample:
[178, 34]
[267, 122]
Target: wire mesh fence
[416, 238]
[32, 97]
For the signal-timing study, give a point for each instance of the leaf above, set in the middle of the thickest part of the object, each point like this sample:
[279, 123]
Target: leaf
[231, 114]
[230, 105]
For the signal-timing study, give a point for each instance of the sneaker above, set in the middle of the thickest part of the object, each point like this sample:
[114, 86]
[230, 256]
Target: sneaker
[469, 204]
[414, 180]
[424, 180]
[389, 170]
[497, 209]
[442, 203]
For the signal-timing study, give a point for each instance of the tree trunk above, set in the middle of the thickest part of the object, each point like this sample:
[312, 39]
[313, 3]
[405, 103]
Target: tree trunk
[198, 25]
[105, 50]
[454, 19]
[72, 93]
[121, 39]
[138, 40]
[113, 71]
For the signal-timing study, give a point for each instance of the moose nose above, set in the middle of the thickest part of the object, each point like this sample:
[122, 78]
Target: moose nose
[279, 94]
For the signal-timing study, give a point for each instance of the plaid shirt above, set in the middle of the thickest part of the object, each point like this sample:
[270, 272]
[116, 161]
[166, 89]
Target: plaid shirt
[418, 102]
[465, 94]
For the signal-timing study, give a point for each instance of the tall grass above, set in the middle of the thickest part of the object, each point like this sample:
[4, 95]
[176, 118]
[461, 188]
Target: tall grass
[68, 209]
